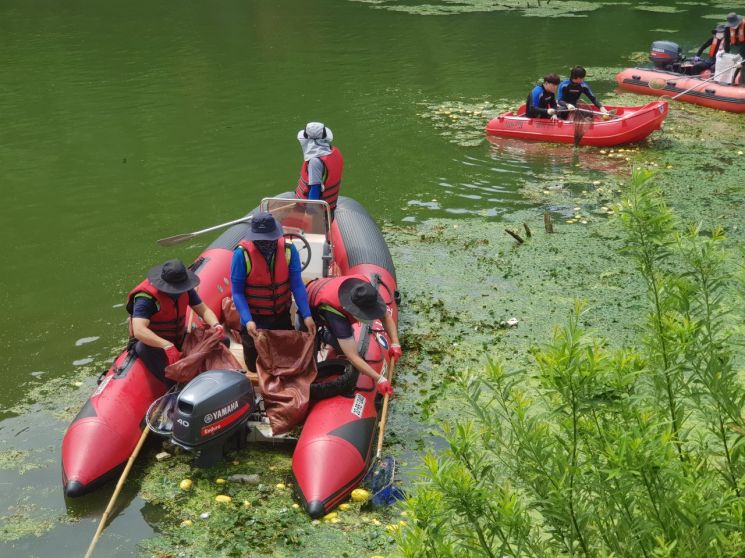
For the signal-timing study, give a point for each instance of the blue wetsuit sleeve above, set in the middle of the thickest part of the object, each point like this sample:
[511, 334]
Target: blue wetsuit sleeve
[587, 91]
[296, 284]
[560, 92]
[238, 285]
[535, 101]
[315, 192]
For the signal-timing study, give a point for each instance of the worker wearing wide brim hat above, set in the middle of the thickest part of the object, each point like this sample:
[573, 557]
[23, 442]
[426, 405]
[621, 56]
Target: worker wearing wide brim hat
[265, 274]
[322, 167]
[337, 303]
[157, 309]
[736, 34]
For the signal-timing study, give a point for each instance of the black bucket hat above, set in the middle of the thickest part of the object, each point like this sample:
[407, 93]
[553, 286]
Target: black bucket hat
[172, 277]
[361, 299]
[264, 227]
[721, 28]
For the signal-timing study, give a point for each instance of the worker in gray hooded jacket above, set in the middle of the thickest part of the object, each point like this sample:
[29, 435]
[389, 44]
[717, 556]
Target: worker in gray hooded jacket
[321, 171]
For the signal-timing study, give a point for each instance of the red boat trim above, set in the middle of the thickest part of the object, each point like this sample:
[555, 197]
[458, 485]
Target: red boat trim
[694, 93]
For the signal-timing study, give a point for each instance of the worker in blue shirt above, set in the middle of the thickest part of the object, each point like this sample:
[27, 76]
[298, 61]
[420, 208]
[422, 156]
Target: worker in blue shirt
[264, 273]
[541, 101]
[570, 90]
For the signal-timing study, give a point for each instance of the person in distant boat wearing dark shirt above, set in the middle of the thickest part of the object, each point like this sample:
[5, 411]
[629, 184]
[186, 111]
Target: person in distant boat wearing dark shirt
[570, 90]
[541, 101]
[719, 42]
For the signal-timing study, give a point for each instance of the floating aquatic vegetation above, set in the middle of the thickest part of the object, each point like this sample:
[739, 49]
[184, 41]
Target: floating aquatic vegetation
[602, 73]
[664, 30]
[26, 519]
[557, 8]
[658, 9]
[463, 122]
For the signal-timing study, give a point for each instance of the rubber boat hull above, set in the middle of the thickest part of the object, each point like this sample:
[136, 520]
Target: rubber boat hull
[629, 125]
[335, 449]
[103, 435]
[708, 94]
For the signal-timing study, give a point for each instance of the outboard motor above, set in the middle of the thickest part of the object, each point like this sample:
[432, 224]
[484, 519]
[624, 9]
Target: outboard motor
[212, 410]
[665, 55]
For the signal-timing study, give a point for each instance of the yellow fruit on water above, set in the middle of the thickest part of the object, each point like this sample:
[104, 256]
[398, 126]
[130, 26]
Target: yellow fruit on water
[246, 504]
[222, 499]
[295, 506]
[376, 522]
[391, 527]
[185, 484]
[187, 523]
[330, 516]
[220, 481]
[377, 556]
[344, 507]
[403, 523]
[360, 495]
[280, 486]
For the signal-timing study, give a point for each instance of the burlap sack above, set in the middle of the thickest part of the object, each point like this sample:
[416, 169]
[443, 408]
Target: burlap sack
[286, 367]
[203, 349]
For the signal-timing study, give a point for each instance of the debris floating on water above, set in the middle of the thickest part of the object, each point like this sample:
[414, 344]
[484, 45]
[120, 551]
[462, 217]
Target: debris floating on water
[162, 456]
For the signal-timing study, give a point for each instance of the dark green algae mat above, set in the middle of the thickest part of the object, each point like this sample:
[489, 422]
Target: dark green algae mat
[461, 280]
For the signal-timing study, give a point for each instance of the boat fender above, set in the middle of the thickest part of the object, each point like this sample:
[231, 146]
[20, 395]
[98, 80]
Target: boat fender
[342, 385]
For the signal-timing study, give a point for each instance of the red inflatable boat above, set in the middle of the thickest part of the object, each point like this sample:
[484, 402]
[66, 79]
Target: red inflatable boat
[335, 448]
[627, 125]
[658, 82]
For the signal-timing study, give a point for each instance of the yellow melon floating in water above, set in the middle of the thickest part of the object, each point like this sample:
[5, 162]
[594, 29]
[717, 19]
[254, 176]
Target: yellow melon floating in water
[360, 495]
[222, 499]
[185, 484]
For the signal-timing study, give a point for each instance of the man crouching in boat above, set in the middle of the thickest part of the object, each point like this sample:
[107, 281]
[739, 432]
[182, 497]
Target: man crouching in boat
[541, 101]
[570, 90]
[320, 173]
[264, 271]
[157, 309]
[337, 303]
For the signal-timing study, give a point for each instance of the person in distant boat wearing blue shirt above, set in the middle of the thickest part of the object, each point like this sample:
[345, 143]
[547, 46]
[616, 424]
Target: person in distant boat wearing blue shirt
[570, 90]
[541, 101]
[264, 273]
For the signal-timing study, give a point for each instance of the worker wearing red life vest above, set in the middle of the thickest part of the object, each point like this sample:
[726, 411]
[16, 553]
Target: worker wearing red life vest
[264, 273]
[736, 25]
[339, 302]
[157, 309]
[321, 171]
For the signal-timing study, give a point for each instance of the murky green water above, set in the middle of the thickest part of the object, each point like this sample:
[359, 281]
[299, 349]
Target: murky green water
[126, 123]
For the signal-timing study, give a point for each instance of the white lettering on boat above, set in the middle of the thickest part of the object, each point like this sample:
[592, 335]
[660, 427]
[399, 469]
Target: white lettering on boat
[216, 415]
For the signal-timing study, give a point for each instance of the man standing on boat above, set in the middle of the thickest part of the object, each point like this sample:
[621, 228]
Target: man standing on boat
[264, 271]
[736, 25]
[337, 303]
[157, 309]
[541, 101]
[320, 173]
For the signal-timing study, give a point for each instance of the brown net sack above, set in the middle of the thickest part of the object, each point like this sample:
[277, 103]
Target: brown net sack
[203, 349]
[286, 367]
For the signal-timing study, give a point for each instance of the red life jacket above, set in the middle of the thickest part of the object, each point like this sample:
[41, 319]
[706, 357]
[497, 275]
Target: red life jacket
[169, 322]
[267, 289]
[325, 292]
[333, 164]
[737, 34]
[714, 48]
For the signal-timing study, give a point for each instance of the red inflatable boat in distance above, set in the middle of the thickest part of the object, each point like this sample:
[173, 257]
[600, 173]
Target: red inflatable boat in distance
[710, 94]
[626, 125]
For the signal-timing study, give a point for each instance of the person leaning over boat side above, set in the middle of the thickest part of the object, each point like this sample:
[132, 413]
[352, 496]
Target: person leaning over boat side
[570, 90]
[264, 271]
[338, 302]
[157, 309]
[541, 101]
[321, 171]
[719, 41]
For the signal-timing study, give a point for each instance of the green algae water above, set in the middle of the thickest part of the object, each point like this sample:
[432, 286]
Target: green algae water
[122, 124]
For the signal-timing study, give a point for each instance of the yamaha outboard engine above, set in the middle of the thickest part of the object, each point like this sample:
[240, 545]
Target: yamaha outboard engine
[665, 55]
[211, 410]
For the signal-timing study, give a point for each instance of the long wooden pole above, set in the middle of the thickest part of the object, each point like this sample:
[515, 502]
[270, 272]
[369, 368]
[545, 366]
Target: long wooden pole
[117, 490]
[384, 415]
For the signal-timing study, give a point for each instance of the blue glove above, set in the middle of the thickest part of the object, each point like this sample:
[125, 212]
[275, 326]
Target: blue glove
[696, 59]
